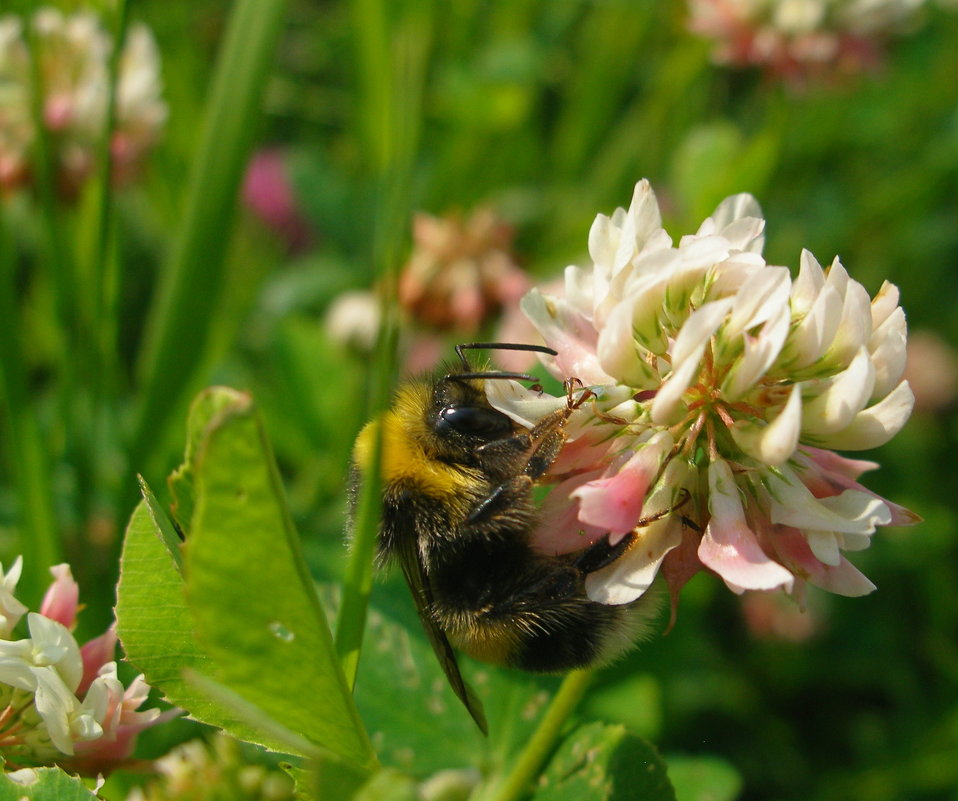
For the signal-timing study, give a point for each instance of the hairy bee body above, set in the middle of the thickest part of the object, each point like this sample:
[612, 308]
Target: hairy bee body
[458, 514]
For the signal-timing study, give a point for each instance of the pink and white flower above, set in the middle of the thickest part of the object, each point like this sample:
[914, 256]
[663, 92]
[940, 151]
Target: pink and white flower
[60, 702]
[798, 38]
[718, 386]
[73, 52]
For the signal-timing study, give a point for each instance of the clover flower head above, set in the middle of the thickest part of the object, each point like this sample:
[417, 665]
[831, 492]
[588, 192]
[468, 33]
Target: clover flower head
[60, 702]
[73, 53]
[714, 389]
[270, 194]
[799, 38]
[461, 271]
[200, 770]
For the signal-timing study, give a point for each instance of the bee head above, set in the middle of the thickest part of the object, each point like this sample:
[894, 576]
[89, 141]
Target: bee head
[461, 414]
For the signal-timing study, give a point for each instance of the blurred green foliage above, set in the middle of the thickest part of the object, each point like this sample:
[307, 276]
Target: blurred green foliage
[550, 112]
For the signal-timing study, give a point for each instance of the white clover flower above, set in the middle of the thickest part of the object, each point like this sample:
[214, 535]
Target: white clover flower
[716, 386]
[797, 37]
[58, 700]
[73, 53]
[67, 720]
[11, 610]
[50, 645]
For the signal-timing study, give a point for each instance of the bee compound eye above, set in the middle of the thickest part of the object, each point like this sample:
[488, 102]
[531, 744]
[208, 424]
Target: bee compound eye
[475, 421]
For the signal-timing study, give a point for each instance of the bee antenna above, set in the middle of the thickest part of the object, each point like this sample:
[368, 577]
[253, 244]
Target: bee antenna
[500, 346]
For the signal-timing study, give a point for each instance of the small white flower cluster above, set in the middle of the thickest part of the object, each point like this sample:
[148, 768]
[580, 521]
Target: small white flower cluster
[73, 55]
[792, 37]
[716, 382]
[58, 700]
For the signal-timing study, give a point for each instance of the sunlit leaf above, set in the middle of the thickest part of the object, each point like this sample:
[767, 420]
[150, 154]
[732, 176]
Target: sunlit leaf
[253, 601]
[703, 778]
[43, 784]
[156, 630]
[597, 762]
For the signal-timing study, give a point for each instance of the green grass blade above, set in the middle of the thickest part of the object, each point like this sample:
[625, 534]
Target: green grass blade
[187, 305]
[39, 540]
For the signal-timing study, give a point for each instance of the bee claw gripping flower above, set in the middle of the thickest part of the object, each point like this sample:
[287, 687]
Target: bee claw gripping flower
[719, 388]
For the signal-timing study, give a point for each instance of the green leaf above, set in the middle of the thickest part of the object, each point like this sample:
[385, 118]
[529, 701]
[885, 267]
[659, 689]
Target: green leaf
[597, 762]
[704, 778]
[634, 700]
[430, 729]
[253, 602]
[44, 784]
[209, 403]
[155, 628]
[162, 524]
[388, 785]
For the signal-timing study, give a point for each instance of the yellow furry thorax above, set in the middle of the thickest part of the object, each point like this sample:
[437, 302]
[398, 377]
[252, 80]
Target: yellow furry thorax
[404, 456]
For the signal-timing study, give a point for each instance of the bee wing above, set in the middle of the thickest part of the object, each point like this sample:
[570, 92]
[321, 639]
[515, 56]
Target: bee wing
[415, 573]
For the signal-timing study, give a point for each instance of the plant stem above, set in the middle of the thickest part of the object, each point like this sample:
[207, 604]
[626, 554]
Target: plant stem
[104, 263]
[393, 73]
[528, 765]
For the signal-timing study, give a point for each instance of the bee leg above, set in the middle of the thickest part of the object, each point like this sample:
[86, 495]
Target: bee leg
[500, 501]
[531, 452]
[601, 553]
[503, 497]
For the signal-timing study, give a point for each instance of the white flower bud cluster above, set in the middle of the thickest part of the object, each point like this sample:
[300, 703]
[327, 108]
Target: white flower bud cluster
[793, 37]
[73, 54]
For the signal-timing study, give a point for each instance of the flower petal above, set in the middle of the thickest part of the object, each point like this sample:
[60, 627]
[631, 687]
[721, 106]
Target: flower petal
[845, 397]
[826, 473]
[815, 331]
[773, 443]
[854, 328]
[615, 502]
[55, 705]
[888, 351]
[762, 297]
[560, 530]
[527, 407]
[760, 353]
[61, 599]
[808, 285]
[729, 547]
[884, 303]
[618, 351]
[11, 610]
[875, 425]
[687, 354]
[630, 576]
[795, 553]
[579, 289]
[568, 332]
[850, 511]
[824, 545]
[738, 218]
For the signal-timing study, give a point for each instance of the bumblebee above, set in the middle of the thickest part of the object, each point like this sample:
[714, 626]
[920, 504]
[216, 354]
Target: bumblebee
[457, 515]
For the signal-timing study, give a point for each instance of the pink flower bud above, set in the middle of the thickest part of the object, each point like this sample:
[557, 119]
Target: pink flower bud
[95, 654]
[61, 601]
